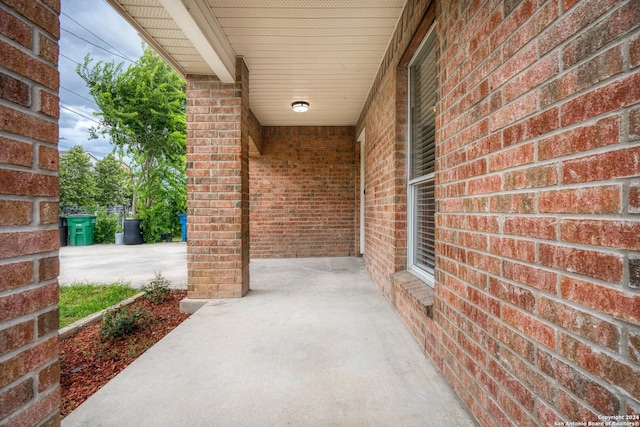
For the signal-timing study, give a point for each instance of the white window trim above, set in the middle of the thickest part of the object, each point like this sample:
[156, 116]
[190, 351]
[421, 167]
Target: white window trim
[423, 275]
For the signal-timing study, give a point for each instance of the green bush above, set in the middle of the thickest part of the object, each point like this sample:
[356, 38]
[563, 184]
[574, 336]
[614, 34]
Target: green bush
[106, 227]
[157, 290]
[120, 321]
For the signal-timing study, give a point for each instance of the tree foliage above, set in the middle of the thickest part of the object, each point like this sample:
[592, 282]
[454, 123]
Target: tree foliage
[77, 181]
[143, 112]
[112, 182]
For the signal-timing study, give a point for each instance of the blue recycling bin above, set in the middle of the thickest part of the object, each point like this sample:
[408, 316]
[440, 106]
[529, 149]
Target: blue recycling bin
[183, 226]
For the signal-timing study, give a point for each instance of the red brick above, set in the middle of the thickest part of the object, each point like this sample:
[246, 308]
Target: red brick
[512, 385]
[535, 126]
[544, 16]
[15, 212]
[579, 384]
[489, 184]
[484, 146]
[602, 133]
[537, 227]
[15, 152]
[48, 322]
[49, 104]
[43, 411]
[29, 242]
[599, 265]
[513, 248]
[513, 203]
[575, 410]
[14, 90]
[607, 300]
[593, 328]
[49, 213]
[530, 326]
[598, 35]
[16, 336]
[569, 24]
[16, 275]
[487, 224]
[512, 21]
[548, 416]
[28, 184]
[16, 305]
[634, 124]
[15, 397]
[49, 268]
[49, 376]
[28, 125]
[634, 198]
[513, 66]
[15, 29]
[634, 346]
[27, 360]
[484, 262]
[538, 73]
[518, 109]
[511, 339]
[516, 156]
[532, 177]
[617, 94]
[613, 234]
[471, 169]
[583, 76]
[528, 375]
[49, 49]
[592, 200]
[531, 276]
[48, 158]
[21, 63]
[604, 166]
[513, 294]
[634, 51]
[38, 14]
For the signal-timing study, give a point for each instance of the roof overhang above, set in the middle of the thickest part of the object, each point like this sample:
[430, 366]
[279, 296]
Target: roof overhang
[324, 52]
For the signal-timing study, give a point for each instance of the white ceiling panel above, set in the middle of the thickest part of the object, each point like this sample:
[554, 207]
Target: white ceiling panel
[325, 52]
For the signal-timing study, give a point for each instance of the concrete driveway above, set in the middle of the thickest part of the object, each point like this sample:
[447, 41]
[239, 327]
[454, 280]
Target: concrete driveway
[136, 264]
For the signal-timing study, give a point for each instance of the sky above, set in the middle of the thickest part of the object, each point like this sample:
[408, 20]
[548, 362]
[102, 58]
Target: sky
[96, 28]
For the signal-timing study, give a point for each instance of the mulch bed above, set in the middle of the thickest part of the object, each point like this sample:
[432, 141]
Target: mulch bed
[87, 362]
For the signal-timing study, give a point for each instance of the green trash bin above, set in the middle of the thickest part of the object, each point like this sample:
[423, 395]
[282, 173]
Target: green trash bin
[81, 229]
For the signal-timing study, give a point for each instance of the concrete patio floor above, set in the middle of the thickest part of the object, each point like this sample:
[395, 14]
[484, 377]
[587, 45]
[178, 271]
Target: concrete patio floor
[313, 344]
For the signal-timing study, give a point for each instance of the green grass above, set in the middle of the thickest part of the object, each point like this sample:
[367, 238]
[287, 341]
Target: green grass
[80, 300]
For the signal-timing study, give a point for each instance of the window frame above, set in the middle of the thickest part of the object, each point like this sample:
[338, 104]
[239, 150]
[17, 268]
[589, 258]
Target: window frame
[412, 183]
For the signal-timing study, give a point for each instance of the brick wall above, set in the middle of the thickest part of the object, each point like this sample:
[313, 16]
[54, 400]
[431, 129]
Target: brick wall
[537, 296]
[217, 186]
[29, 238]
[302, 193]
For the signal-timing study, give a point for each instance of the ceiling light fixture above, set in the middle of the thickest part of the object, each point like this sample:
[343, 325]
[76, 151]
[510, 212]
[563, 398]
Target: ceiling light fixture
[300, 106]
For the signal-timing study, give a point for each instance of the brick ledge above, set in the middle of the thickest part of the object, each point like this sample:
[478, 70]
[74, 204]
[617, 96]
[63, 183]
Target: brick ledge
[417, 291]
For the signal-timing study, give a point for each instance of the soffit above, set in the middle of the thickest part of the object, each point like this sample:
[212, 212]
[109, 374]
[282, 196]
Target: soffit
[325, 52]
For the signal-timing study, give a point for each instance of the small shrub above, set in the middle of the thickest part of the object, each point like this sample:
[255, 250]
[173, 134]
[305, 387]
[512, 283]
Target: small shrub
[158, 289]
[120, 321]
[106, 227]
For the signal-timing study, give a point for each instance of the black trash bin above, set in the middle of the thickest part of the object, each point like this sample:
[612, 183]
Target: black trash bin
[64, 230]
[132, 232]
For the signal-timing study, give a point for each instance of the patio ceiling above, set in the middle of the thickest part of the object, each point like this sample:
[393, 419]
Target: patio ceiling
[325, 52]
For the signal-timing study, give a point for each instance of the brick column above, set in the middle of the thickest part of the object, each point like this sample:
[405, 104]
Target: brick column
[29, 237]
[217, 187]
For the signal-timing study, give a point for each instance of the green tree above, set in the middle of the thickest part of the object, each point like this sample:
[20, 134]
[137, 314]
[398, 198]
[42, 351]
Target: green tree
[112, 182]
[77, 182]
[143, 112]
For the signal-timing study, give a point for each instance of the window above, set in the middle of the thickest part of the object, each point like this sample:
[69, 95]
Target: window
[422, 156]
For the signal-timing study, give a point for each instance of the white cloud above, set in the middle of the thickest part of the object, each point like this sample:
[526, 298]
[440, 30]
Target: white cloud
[113, 34]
